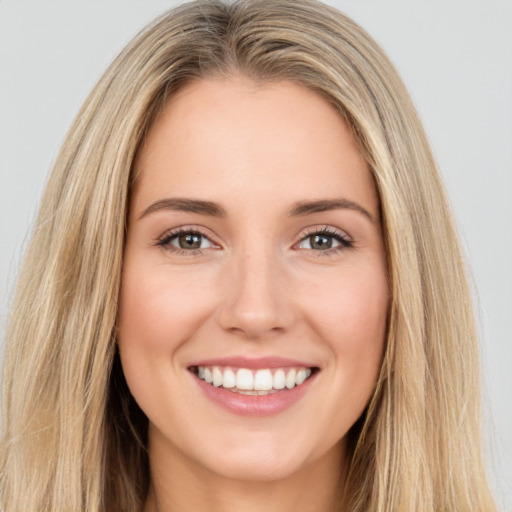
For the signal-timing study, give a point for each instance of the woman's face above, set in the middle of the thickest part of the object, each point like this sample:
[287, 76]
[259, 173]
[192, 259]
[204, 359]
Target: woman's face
[254, 257]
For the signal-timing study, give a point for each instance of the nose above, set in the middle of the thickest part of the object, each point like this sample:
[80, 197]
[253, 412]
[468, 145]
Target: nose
[257, 301]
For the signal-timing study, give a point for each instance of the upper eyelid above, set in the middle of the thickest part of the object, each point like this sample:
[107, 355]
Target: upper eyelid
[324, 229]
[172, 232]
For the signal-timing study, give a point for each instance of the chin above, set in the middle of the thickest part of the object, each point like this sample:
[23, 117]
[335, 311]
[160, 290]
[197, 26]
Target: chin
[257, 468]
[264, 458]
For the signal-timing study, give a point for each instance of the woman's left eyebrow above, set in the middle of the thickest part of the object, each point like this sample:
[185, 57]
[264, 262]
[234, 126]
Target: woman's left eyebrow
[185, 205]
[308, 207]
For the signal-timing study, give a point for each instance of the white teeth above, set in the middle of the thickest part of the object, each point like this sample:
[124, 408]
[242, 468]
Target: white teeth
[263, 380]
[229, 379]
[299, 378]
[217, 377]
[279, 381]
[244, 379]
[290, 379]
[251, 382]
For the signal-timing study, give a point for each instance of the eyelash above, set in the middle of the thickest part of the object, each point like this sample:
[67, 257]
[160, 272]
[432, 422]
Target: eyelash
[343, 239]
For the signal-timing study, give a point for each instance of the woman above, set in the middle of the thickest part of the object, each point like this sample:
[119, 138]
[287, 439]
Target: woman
[244, 288]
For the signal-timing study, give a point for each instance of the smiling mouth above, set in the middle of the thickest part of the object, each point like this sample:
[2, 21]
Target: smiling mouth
[244, 381]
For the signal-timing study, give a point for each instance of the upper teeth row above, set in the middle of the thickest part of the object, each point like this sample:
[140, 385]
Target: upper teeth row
[261, 380]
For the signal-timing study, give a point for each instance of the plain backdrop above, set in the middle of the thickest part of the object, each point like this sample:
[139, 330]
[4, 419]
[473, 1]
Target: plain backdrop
[454, 55]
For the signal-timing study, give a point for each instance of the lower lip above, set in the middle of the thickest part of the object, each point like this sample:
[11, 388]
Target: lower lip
[251, 405]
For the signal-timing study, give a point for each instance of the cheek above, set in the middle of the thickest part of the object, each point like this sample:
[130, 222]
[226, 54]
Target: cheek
[350, 314]
[158, 307]
[362, 320]
[353, 302]
[159, 311]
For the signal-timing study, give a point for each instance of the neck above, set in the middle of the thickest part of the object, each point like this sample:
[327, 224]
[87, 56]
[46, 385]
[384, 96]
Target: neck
[179, 484]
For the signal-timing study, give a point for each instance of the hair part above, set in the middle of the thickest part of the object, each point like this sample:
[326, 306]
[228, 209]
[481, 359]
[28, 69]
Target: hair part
[74, 438]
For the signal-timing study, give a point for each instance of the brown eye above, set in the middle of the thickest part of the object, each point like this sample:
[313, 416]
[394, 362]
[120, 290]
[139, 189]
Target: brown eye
[320, 242]
[186, 241]
[189, 241]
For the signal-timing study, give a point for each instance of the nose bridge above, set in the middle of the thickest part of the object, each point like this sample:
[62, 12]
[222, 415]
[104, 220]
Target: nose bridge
[256, 301]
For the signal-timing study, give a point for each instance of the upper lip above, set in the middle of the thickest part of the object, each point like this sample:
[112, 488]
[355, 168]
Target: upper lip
[253, 363]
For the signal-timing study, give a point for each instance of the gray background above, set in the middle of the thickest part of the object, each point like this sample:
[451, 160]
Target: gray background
[454, 55]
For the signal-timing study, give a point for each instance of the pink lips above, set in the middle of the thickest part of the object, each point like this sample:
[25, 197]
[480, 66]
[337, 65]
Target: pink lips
[250, 405]
[253, 363]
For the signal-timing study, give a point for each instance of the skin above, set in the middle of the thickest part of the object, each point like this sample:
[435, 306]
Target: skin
[258, 287]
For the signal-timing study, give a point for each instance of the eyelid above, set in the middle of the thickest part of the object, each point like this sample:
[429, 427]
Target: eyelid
[325, 229]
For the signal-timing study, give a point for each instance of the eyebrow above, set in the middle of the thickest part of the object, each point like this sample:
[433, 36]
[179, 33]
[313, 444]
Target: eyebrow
[185, 205]
[299, 209]
[323, 205]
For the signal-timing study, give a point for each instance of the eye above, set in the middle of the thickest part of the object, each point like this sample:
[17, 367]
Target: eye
[190, 241]
[319, 242]
[186, 240]
[325, 240]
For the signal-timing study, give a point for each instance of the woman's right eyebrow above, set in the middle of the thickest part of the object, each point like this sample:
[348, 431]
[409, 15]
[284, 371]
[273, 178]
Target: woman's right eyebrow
[185, 205]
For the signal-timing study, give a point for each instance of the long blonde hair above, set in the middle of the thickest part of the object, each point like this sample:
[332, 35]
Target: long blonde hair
[74, 439]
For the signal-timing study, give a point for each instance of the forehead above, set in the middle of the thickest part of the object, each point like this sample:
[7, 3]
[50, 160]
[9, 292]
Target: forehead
[217, 137]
